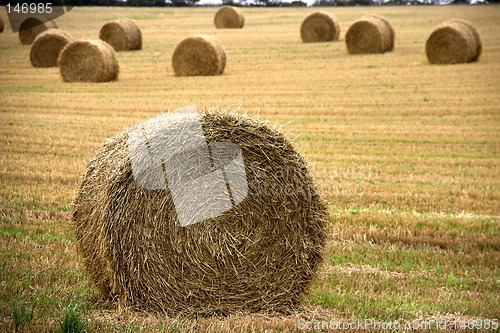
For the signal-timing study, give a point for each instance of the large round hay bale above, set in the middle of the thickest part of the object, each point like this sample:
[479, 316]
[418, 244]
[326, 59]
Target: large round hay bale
[392, 32]
[260, 254]
[32, 27]
[229, 17]
[319, 27]
[122, 35]
[370, 34]
[47, 46]
[479, 44]
[88, 61]
[452, 42]
[2, 24]
[199, 55]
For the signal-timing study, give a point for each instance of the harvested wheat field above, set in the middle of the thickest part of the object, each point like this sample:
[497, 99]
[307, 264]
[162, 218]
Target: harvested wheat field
[406, 154]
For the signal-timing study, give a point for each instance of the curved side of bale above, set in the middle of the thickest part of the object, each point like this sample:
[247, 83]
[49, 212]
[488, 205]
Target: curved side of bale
[88, 61]
[391, 30]
[122, 35]
[32, 27]
[260, 255]
[229, 17]
[452, 42]
[2, 24]
[319, 27]
[368, 35]
[477, 37]
[47, 46]
[199, 55]
[221, 52]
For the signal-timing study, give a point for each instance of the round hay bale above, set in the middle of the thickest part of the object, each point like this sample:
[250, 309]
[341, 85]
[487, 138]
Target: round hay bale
[32, 27]
[47, 46]
[2, 24]
[369, 35]
[122, 35]
[453, 42]
[229, 17]
[88, 61]
[260, 255]
[391, 30]
[479, 44]
[199, 55]
[319, 27]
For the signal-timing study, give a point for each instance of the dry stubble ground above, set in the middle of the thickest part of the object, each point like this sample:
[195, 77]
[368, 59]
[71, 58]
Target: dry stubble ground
[407, 154]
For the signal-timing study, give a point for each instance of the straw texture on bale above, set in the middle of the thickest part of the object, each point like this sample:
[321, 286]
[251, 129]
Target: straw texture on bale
[392, 32]
[453, 42]
[88, 61]
[261, 255]
[199, 55]
[371, 34]
[122, 35]
[2, 24]
[32, 27]
[47, 46]
[319, 27]
[229, 17]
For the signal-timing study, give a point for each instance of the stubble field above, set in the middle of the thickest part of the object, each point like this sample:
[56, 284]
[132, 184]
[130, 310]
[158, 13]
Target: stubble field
[406, 153]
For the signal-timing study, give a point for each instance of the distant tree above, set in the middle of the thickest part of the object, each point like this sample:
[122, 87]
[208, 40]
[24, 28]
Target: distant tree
[140, 2]
[298, 3]
[91, 2]
[364, 2]
[269, 3]
[184, 3]
[323, 3]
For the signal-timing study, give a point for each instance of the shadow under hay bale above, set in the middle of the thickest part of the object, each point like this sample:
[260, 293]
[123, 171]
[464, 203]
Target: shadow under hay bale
[229, 17]
[319, 27]
[32, 27]
[370, 34]
[47, 46]
[453, 42]
[2, 24]
[259, 255]
[199, 55]
[122, 35]
[88, 61]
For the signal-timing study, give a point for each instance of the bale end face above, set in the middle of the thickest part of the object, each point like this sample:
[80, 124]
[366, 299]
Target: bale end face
[368, 35]
[319, 27]
[258, 255]
[47, 46]
[199, 55]
[453, 42]
[88, 61]
[122, 35]
[229, 17]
